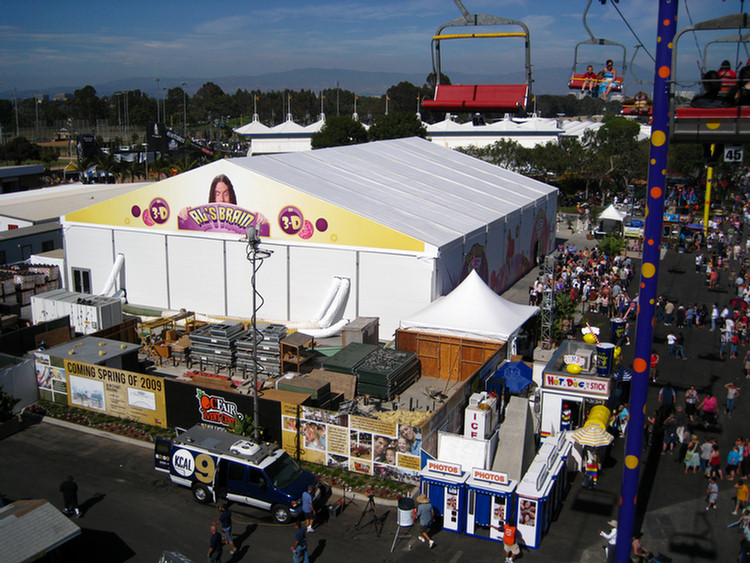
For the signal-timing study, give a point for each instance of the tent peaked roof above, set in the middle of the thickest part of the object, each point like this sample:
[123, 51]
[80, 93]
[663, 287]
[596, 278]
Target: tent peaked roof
[611, 212]
[471, 310]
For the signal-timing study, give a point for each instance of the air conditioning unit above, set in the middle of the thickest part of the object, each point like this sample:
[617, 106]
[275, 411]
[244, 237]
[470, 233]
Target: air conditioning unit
[244, 447]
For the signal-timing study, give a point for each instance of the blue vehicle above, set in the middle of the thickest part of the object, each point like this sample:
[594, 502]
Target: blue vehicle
[216, 464]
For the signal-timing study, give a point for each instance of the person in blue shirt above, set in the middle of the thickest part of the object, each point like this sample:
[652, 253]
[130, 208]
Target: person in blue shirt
[214, 546]
[425, 518]
[299, 549]
[307, 507]
[225, 521]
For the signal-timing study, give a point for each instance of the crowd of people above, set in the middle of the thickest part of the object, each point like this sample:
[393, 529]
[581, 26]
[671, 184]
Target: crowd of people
[595, 281]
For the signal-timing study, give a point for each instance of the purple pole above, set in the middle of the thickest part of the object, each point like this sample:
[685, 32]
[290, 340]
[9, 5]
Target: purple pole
[657, 180]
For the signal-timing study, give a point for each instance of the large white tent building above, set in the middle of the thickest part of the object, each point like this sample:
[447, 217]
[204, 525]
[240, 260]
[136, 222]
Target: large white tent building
[404, 221]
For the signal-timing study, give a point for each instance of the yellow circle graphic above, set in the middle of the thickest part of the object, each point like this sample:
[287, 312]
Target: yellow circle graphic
[648, 270]
[658, 138]
[631, 461]
[713, 124]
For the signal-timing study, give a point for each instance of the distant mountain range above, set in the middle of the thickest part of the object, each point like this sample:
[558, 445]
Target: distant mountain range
[552, 81]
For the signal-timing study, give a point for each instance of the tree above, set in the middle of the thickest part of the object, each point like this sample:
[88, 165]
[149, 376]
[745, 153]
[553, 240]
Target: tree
[339, 131]
[611, 245]
[396, 126]
[404, 96]
[87, 106]
[20, 149]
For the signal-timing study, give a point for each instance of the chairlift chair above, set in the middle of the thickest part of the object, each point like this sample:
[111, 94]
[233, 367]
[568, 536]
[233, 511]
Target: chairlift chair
[710, 125]
[478, 98]
[576, 78]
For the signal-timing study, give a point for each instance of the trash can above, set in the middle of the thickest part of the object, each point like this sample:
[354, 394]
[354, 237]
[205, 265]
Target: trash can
[405, 512]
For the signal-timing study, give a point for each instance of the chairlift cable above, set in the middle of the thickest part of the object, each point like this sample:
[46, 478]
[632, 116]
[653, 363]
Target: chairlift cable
[700, 61]
[633, 32]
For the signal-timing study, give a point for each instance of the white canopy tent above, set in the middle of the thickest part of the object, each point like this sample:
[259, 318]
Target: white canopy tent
[471, 310]
[612, 213]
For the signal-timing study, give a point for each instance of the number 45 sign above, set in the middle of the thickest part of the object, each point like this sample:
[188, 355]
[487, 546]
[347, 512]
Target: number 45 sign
[733, 154]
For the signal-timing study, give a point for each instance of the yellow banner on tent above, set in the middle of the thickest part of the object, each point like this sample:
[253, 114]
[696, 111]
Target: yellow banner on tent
[224, 198]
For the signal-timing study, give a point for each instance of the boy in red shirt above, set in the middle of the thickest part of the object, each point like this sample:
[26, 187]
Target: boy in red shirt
[589, 79]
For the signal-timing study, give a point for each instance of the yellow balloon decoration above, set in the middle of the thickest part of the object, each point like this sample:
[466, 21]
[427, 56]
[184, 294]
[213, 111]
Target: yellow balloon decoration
[589, 338]
[573, 369]
[618, 351]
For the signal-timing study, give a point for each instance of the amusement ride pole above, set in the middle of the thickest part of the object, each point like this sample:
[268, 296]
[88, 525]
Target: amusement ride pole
[657, 180]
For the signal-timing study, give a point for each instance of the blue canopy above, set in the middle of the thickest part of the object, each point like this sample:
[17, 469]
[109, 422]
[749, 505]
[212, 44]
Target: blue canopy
[516, 376]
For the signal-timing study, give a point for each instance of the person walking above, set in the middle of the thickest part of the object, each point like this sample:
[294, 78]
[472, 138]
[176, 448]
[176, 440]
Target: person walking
[653, 366]
[225, 523]
[308, 509]
[712, 493]
[671, 343]
[732, 394]
[733, 462]
[69, 490]
[743, 494]
[611, 538]
[705, 454]
[425, 518]
[680, 350]
[714, 463]
[746, 364]
[691, 402]
[299, 549]
[510, 545]
[710, 408]
[667, 399]
[214, 545]
[692, 455]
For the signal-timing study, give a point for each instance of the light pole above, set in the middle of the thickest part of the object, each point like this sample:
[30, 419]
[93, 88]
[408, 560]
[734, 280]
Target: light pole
[256, 256]
[184, 110]
[15, 106]
[157, 100]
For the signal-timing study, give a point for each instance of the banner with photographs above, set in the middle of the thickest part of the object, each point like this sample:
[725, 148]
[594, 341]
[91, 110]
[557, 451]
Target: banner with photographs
[53, 386]
[363, 445]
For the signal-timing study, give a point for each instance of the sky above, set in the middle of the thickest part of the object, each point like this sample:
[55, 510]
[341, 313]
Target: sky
[49, 43]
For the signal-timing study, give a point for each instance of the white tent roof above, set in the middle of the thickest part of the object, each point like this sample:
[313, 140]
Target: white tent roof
[612, 213]
[472, 310]
[255, 127]
[411, 185]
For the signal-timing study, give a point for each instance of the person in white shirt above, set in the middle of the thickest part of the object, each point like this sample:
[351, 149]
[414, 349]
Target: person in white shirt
[611, 538]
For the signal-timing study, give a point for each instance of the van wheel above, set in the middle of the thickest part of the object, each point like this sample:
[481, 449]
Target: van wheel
[201, 493]
[281, 514]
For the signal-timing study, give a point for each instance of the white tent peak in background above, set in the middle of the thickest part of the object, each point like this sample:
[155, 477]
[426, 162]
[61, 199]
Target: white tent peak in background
[612, 213]
[471, 310]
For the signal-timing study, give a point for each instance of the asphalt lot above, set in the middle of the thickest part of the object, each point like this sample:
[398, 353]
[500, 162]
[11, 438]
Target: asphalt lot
[132, 513]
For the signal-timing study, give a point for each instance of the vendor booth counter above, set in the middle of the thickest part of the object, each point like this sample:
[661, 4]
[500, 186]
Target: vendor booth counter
[566, 398]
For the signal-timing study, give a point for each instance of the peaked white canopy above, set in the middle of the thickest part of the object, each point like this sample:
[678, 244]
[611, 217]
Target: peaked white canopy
[612, 213]
[472, 310]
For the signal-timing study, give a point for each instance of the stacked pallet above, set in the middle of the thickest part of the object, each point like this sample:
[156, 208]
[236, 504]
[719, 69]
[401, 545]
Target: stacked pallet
[318, 389]
[386, 373]
[268, 349]
[19, 282]
[214, 343]
[349, 357]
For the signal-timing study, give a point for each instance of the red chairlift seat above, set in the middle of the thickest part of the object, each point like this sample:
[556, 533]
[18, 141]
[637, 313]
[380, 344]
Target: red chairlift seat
[711, 125]
[479, 97]
[577, 80]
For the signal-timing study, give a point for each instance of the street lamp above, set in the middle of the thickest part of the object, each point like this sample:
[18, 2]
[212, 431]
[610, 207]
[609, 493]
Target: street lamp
[157, 100]
[184, 110]
[256, 256]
